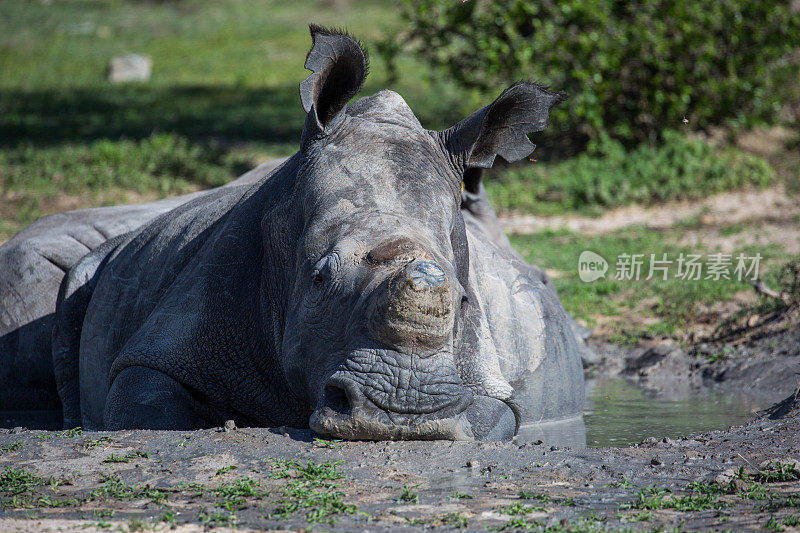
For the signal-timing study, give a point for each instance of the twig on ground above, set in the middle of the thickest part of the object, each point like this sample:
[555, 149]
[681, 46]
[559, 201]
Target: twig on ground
[761, 288]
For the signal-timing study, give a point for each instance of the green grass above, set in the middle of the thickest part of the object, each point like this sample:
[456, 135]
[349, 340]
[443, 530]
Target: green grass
[113, 487]
[35, 180]
[13, 447]
[216, 518]
[66, 434]
[223, 95]
[776, 503]
[331, 444]
[312, 489]
[232, 495]
[669, 304]
[455, 520]
[101, 515]
[519, 508]
[17, 481]
[775, 472]
[169, 517]
[544, 498]
[225, 470]
[22, 486]
[654, 498]
[49, 501]
[127, 458]
[407, 495]
[91, 444]
[607, 176]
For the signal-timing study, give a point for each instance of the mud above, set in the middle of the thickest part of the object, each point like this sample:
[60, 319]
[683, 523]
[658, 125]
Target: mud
[742, 478]
[765, 368]
[446, 483]
[279, 478]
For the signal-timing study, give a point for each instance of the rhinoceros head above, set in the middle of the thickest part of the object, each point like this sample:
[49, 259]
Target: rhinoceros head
[380, 308]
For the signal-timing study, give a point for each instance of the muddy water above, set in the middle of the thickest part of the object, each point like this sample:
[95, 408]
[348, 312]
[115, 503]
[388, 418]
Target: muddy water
[618, 413]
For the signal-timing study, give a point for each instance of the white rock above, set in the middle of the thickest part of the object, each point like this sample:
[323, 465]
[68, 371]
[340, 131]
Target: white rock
[130, 67]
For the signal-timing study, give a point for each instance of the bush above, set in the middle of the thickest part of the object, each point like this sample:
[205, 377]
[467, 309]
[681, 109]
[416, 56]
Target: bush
[608, 176]
[632, 68]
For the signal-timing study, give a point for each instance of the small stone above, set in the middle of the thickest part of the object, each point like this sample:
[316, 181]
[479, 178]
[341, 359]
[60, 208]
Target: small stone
[538, 442]
[656, 461]
[129, 67]
[727, 476]
[553, 448]
[230, 425]
[473, 464]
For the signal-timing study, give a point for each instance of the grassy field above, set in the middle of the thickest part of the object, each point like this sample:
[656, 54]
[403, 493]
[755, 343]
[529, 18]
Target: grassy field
[223, 97]
[223, 92]
[631, 310]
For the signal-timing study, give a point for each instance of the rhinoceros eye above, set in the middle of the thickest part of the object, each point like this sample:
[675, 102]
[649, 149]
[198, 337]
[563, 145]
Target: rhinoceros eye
[325, 269]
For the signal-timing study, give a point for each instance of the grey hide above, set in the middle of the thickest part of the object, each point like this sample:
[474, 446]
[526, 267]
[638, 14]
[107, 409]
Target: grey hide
[32, 265]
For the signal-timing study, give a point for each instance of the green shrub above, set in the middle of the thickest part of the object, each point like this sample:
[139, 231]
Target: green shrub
[632, 68]
[607, 176]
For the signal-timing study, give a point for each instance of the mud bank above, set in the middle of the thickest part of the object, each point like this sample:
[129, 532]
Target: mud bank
[274, 478]
[765, 368]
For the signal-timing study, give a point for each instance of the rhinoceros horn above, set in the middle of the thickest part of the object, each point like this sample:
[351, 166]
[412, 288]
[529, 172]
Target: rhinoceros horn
[339, 67]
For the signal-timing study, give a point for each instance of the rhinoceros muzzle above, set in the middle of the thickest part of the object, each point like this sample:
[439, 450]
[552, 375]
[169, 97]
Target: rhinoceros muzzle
[414, 308]
[346, 412]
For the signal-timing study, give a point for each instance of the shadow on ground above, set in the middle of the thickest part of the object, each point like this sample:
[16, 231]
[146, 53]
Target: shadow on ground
[135, 112]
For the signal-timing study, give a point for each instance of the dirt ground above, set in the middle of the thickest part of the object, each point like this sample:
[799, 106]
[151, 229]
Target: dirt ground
[775, 214]
[743, 478]
[739, 479]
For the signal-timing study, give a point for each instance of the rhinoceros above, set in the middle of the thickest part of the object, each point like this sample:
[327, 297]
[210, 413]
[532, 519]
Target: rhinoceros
[32, 266]
[344, 292]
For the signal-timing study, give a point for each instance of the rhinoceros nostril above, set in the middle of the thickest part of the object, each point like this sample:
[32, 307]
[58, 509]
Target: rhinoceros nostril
[425, 275]
[336, 399]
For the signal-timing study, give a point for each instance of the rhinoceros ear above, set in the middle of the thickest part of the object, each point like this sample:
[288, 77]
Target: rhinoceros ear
[339, 66]
[502, 127]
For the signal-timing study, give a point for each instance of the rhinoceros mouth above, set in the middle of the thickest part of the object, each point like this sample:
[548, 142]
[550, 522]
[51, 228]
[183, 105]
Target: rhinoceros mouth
[349, 409]
[329, 422]
[347, 394]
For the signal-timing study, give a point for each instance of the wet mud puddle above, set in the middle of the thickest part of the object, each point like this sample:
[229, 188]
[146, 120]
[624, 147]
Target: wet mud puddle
[618, 413]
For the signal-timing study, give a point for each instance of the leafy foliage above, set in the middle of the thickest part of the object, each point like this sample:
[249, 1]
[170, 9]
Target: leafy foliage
[607, 176]
[633, 68]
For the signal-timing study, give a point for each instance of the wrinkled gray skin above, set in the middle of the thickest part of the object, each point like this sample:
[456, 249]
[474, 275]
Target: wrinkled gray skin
[345, 292]
[33, 263]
